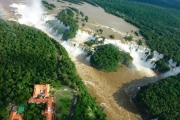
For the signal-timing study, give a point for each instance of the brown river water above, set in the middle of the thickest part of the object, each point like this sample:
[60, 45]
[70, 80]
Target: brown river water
[99, 19]
[108, 88]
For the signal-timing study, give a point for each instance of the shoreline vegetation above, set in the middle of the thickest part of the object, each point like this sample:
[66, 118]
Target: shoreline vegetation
[21, 47]
[160, 100]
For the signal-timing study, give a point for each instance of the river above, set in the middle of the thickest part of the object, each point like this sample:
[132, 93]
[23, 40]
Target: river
[108, 88]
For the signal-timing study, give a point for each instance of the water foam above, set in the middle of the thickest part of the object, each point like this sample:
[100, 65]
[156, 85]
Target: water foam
[33, 15]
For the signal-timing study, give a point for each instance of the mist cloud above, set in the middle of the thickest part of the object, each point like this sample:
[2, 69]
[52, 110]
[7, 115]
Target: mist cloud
[34, 15]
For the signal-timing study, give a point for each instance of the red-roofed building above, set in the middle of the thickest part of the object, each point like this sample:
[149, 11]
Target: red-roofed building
[42, 90]
[15, 116]
[49, 101]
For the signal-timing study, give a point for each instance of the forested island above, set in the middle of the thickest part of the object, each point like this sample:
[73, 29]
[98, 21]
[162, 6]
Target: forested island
[108, 58]
[67, 17]
[28, 57]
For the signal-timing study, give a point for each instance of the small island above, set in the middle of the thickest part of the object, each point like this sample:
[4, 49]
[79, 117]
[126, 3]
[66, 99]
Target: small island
[108, 58]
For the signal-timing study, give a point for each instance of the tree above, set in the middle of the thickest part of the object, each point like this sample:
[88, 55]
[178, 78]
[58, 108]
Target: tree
[101, 31]
[83, 24]
[128, 38]
[139, 42]
[111, 36]
[136, 33]
[86, 18]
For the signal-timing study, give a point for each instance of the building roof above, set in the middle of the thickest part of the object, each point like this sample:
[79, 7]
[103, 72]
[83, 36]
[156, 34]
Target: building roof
[44, 91]
[49, 106]
[41, 90]
[15, 116]
[21, 109]
[49, 109]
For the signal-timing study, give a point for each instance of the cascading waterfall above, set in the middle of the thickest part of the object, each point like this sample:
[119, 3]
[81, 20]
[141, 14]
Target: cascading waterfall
[53, 25]
[56, 27]
[140, 55]
[60, 36]
[171, 63]
[56, 32]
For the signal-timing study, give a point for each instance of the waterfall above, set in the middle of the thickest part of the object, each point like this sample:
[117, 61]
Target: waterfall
[56, 32]
[171, 63]
[50, 29]
[60, 36]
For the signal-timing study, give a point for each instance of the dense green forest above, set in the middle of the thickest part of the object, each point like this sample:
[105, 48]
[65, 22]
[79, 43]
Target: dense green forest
[163, 3]
[108, 58]
[33, 111]
[161, 99]
[67, 17]
[28, 57]
[160, 25]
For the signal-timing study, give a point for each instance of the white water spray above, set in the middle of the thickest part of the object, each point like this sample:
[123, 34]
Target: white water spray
[34, 15]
